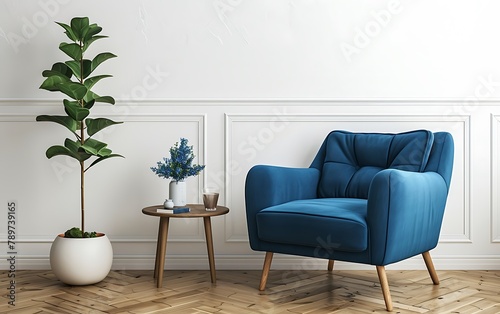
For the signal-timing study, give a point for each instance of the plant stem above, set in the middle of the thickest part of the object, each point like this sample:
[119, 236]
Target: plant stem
[82, 194]
[82, 141]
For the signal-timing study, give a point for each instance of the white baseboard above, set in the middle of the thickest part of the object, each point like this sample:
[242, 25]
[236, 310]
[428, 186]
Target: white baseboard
[254, 262]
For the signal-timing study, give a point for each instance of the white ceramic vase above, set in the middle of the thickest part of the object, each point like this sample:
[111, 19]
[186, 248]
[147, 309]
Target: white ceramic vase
[81, 261]
[177, 192]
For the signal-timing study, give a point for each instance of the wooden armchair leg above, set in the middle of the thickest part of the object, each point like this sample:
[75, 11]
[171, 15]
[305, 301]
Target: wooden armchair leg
[330, 265]
[384, 284]
[430, 267]
[265, 270]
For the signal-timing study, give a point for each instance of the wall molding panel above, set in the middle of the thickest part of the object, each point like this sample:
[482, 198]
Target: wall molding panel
[240, 122]
[495, 178]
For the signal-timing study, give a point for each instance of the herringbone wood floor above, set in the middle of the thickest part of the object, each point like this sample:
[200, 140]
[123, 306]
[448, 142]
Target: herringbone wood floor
[237, 292]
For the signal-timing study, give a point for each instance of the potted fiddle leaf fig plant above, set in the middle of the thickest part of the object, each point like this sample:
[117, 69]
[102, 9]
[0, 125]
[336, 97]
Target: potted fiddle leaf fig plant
[79, 257]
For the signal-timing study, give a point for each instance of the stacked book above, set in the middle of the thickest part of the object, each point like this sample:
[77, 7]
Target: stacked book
[175, 210]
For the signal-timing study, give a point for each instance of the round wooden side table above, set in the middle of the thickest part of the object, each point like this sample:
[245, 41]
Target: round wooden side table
[196, 211]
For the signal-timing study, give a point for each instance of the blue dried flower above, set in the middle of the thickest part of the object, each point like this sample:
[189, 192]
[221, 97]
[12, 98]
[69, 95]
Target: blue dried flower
[179, 165]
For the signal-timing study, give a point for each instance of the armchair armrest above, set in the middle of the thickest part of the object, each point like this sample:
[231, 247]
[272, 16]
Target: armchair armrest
[267, 186]
[405, 213]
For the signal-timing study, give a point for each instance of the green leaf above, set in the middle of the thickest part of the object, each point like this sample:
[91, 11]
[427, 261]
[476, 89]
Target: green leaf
[87, 68]
[76, 147]
[92, 30]
[53, 83]
[78, 24]
[93, 146]
[72, 145]
[105, 152]
[88, 104]
[58, 150]
[93, 96]
[72, 50]
[75, 68]
[75, 110]
[103, 158]
[91, 81]
[100, 58]
[90, 41]
[69, 32]
[90, 96]
[96, 125]
[74, 90]
[65, 121]
[105, 99]
[59, 69]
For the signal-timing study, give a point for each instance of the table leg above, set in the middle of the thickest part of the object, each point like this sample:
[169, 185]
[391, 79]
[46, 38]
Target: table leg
[162, 248]
[158, 242]
[210, 247]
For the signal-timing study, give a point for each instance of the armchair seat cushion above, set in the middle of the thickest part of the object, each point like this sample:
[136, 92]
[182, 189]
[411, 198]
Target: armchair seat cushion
[326, 223]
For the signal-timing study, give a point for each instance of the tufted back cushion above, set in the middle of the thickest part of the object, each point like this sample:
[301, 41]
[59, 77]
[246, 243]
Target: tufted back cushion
[351, 160]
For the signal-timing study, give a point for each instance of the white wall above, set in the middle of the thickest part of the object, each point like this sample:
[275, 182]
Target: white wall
[247, 82]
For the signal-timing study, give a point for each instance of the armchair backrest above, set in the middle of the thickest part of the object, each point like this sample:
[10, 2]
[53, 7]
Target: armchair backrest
[441, 157]
[349, 161]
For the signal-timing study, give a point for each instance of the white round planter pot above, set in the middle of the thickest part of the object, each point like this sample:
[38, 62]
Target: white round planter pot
[81, 261]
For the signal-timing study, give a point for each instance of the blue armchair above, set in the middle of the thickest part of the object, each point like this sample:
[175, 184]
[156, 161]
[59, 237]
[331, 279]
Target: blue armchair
[369, 198]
